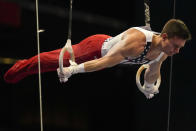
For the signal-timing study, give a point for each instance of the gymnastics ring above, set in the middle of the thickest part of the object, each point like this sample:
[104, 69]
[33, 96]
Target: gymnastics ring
[69, 49]
[141, 88]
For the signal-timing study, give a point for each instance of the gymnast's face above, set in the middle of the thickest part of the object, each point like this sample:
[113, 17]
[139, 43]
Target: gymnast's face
[172, 46]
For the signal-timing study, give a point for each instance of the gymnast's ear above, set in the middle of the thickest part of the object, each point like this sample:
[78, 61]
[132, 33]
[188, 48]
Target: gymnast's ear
[164, 36]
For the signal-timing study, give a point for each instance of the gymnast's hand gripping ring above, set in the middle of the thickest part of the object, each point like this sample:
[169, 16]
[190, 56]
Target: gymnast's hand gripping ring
[68, 48]
[142, 88]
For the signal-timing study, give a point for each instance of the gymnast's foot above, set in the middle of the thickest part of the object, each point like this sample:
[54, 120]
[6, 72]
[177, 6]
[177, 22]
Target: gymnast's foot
[17, 72]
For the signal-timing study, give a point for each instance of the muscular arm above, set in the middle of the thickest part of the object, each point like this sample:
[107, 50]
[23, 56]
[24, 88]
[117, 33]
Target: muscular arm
[104, 62]
[153, 72]
[130, 45]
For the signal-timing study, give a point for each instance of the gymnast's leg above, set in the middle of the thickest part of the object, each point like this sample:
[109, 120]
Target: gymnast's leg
[87, 49]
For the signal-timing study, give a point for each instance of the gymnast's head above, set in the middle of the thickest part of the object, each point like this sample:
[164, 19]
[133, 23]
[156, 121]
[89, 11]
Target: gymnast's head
[174, 35]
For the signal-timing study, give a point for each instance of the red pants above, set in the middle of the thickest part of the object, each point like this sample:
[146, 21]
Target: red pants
[87, 49]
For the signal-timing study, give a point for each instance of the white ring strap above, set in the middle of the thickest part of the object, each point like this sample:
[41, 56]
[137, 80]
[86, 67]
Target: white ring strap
[68, 48]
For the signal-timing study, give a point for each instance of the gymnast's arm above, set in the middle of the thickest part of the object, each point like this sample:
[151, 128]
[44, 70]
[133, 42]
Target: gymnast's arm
[109, 60]
[152, 73]
[129, 45]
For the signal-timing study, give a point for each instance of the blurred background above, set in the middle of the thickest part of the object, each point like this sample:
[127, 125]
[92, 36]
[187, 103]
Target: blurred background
[97, 101]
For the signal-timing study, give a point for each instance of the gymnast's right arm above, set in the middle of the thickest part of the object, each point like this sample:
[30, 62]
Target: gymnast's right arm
[110, 59]
[129, 45]
[126, 47]
[114, 56]
[104, 62]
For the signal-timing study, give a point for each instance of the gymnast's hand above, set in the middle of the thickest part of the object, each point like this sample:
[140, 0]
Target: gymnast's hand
[63, 76]
[150, 88]
[149, 93]
[68, 71]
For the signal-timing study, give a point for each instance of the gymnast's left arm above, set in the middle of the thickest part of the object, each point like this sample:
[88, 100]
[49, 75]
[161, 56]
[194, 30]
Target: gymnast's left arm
[152, 73]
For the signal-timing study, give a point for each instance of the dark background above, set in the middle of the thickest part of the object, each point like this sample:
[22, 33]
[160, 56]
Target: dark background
[97, 101]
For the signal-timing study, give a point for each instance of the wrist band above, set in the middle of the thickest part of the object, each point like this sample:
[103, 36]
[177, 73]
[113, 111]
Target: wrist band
[77, 69]
[148, 85]
[80, 68]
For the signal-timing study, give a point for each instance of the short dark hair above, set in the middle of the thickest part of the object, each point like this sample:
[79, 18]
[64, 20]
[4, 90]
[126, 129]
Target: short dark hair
[176, 27]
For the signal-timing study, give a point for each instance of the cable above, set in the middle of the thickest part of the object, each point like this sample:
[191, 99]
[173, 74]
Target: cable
[70, 20]
[39, 63]
[170, 79]
[170, 91]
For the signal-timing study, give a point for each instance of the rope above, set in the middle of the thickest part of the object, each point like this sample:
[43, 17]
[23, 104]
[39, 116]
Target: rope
[147, 12]
[39, 67]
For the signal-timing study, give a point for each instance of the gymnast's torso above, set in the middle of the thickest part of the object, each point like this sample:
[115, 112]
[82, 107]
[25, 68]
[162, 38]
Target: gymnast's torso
[141, 59]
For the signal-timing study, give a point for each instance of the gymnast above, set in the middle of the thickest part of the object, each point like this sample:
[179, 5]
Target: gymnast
[136, 45]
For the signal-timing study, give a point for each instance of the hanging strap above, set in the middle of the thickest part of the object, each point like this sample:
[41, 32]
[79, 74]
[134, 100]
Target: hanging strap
[68, 45]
